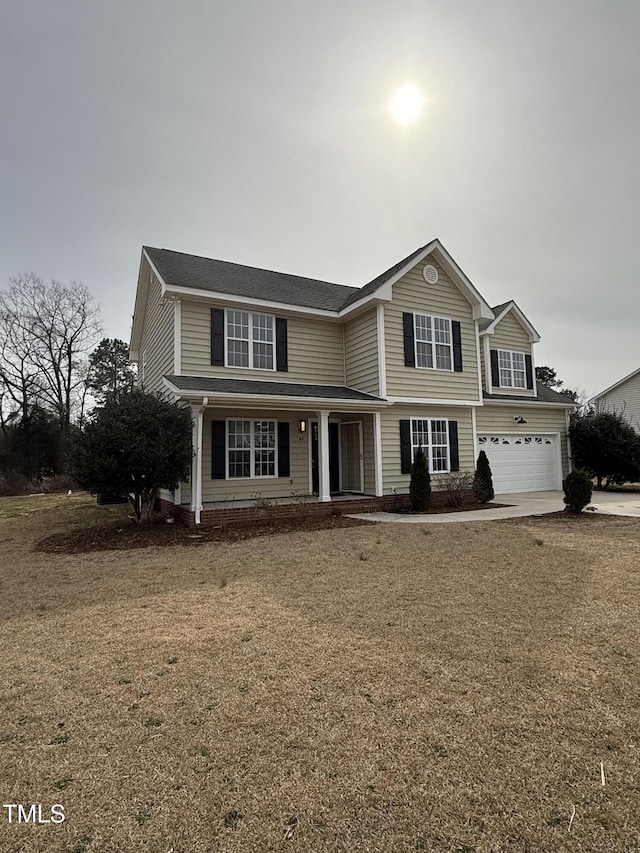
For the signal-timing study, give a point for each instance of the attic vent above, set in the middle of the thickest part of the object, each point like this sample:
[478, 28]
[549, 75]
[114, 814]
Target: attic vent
[430, 274]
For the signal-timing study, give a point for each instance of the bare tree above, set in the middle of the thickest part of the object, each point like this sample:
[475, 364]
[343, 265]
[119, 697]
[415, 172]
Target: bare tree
[48, 331]
[20, 376]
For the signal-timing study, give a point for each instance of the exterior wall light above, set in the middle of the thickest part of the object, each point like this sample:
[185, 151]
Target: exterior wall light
[302, 425]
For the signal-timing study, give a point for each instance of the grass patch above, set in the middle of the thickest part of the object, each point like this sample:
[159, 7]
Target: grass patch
[461, 690]
[14, 507]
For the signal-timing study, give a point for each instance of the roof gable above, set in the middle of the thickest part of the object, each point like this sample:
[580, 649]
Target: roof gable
[501, 311]
[615, 385]
[382, 284]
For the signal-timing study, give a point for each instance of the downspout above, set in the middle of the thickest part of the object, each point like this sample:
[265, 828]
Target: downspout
[199, 434]
[567, 416]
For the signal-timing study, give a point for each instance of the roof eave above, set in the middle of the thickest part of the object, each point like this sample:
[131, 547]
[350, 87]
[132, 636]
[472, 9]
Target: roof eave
[615, 385]
[524, 401]
[142, 292]
[219, 296]
[276, 400]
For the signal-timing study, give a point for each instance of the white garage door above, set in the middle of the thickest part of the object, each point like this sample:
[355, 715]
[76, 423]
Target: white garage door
[521, 463]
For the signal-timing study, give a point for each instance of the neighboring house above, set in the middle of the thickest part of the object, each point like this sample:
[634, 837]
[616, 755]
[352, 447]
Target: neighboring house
[302, 386]
[622, 397]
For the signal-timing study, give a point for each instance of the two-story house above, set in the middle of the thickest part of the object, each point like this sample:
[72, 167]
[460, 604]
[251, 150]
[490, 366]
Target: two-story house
[300, 386]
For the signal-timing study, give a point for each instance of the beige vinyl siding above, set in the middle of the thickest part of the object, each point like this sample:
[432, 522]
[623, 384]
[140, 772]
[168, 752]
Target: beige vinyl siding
[390, 427]
[625, 399]
[240, 489]
[361, 352]
[483, 364]
[156, 343]
[499, 419]
[443, 299]
[315, 348]
[509, 335]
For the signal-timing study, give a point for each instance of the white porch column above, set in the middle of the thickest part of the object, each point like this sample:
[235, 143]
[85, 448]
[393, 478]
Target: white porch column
[324, 484]
[377, 450]
[196, 471]
[195, 467]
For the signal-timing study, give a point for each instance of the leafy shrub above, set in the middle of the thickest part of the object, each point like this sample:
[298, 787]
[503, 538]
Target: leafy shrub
[577, 490]
[420, 484]
[456, 488]
[606, 446]
[135, 445]
[482, 480]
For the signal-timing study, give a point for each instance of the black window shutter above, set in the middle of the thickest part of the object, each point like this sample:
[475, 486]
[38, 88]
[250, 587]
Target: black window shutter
[405, 446]
[282, 357]
[528, 366]
[495, 373]
[409, 348]
[457, 346]
[218, 450]
[454, 454]
[283, 449]
[217, 336]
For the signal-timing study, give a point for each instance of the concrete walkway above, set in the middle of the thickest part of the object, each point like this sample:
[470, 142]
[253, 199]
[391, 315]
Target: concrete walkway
[518, 505]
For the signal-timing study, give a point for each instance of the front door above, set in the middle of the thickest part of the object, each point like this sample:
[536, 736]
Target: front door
[351, 455]
[334, 458]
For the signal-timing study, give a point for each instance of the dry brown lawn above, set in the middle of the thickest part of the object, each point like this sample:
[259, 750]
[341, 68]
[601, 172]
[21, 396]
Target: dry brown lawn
[376, 688]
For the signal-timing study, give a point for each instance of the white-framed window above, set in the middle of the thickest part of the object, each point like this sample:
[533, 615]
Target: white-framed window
[250, 340]
[432, 435]
[434, 343]
[251, 448]
[512, 369]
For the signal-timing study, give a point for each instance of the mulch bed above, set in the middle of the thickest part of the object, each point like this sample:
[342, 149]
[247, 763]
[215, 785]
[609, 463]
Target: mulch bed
[585, 516]
[124, 535]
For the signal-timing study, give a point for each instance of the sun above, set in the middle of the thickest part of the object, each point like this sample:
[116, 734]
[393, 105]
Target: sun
[406, 104]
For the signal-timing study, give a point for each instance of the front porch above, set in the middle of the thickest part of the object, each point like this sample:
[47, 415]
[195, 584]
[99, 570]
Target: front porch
[267, 447]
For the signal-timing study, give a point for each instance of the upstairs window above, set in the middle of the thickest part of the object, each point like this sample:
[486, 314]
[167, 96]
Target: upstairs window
[433, 340]
[511, 366]
[250, 340]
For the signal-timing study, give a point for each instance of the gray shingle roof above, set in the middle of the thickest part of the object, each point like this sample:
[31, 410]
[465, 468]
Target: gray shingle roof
[545, 395]
[182, 270]
[213, 385]
[498, 309]
[377, 282]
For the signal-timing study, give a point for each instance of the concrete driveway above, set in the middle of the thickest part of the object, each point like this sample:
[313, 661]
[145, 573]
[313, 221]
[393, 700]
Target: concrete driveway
[517, 506]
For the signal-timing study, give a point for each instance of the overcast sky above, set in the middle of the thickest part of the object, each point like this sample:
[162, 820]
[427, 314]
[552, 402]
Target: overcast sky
[259, 132]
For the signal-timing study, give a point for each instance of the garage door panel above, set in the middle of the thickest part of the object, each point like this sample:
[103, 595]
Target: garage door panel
[521, 463]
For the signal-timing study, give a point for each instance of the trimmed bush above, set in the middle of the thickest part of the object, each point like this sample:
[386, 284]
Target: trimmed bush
[455, 488]
[420, 485]
[577, 490]
[482, 480]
